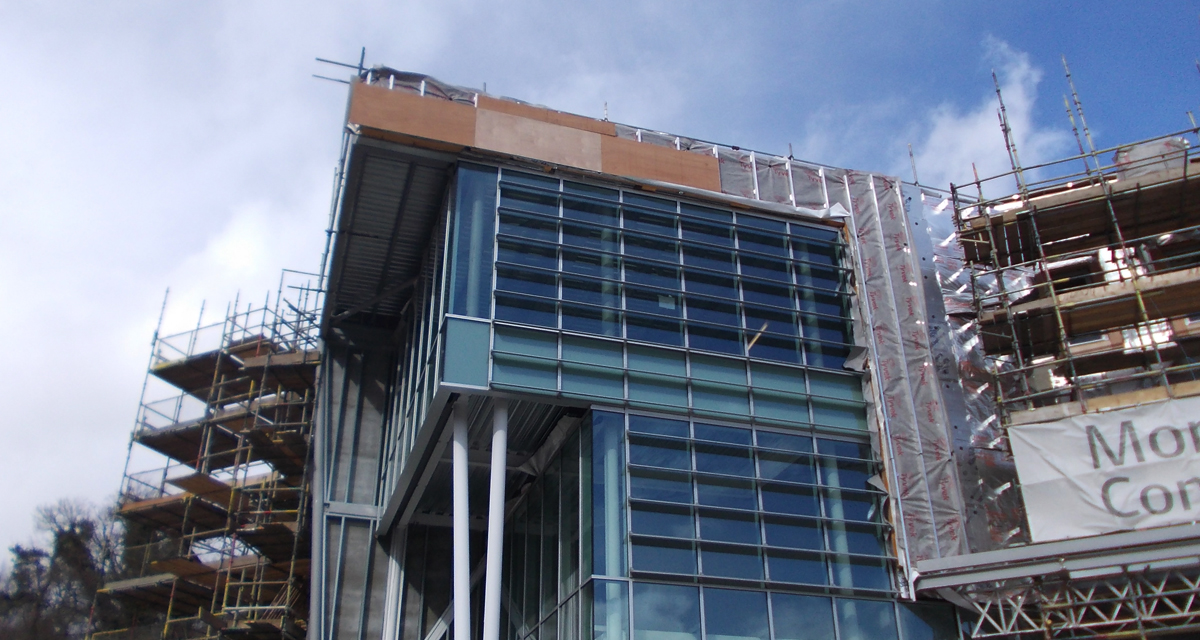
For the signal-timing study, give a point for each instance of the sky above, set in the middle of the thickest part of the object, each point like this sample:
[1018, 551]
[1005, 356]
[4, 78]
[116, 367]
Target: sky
[151, 145]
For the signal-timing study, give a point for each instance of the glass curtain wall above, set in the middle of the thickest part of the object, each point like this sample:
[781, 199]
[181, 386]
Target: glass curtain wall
[610, 294]
[674, 529]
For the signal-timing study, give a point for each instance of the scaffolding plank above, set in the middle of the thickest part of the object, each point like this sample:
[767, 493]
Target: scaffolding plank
[292, 370]
[186, 441]
[211, 489]
[160, 591]
[180, 513]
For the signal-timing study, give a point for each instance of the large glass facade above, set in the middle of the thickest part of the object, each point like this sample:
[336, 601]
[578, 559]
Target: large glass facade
[609, 294]
[668, 529]
[730, 491]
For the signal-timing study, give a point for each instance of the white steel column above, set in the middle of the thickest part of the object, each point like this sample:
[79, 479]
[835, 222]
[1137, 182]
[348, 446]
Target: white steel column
[495, 535]
[462, 532]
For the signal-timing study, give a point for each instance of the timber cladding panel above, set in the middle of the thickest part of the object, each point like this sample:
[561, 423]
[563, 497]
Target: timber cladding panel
[526, 131]
[409, 114]
[639, 160]
[547, 115]
[528, 138]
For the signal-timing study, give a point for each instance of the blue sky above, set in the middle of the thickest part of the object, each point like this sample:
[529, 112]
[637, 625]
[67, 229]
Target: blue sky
[146, 145]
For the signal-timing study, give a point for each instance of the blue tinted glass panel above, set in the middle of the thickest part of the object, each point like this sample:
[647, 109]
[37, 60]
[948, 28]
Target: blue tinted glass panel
[589, 211]
[732, 435]
[775, 245]
[660, 204]
[706, 213]
[785, 441]
[726, 492]
[801, 501]
[711, 284]
[708, 338]
[526, 310]
[852, 505]
[735, 615]
[658, 302]
[663, 454]
[924, 622]
[789, 467]
[775, 227]
[651, 329]
[776, 295]
[729, 527]
[726, 460]
[865, 619]
[471, 262]
[800, 617]
[604, 322]
[661, 520]
[592, 291]
[801, 568]
[860, 573]
[530, 227]
[651, 274]
[817, 252]
[731, 562]
[538, 283]
[653, 248]
[659, 426]
[529, 200]
[661, 486]
[588, 237]
[653, 222]
[771, 269]
[591, 191]
[518, 253]
[664, 556]
[663, 611]
[794, 533]
[708, 258]
[592, 264]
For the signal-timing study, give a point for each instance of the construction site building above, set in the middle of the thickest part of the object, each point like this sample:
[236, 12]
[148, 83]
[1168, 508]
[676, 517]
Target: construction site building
[566, 379]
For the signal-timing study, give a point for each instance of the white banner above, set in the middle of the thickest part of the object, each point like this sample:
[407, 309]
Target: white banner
[1104, 472]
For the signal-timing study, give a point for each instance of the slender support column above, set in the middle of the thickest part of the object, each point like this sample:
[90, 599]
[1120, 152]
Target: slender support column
[495, 535]
[462, 532]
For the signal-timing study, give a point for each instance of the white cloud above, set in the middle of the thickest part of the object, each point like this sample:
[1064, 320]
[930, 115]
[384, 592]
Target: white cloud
[954, 139]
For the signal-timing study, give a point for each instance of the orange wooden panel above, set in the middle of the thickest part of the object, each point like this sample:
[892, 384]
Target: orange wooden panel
[408, 114]
[641, 160]
[548, 115]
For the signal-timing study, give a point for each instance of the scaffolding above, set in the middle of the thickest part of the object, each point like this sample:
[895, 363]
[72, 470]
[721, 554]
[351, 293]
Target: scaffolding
[1087, 284]
[1086, 297]
[216, 492]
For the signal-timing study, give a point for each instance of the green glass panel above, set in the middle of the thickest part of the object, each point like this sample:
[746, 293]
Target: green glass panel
[839, 413]
[834, 386]
[466, 352]
[523, 342]
[721, 399]
[718, 370]
[657, 390]
[766, 376]
[777, 405]
[592, 381]
[525, 372]
[656, 361]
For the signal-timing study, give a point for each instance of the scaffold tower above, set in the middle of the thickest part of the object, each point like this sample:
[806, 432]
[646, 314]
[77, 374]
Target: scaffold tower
[216, 494]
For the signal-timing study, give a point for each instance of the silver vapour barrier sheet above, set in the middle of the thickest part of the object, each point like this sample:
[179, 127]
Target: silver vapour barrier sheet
[995, 514]
[928, 486]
